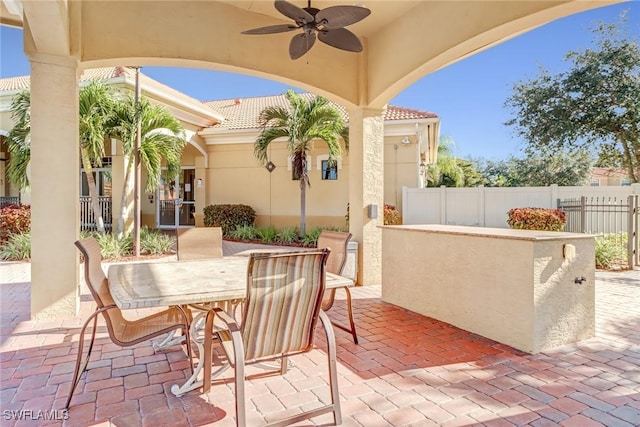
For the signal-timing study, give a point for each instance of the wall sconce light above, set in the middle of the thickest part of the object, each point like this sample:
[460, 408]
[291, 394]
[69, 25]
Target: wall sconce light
[199, 182]
[406, 141]
[150, 196]
[372, 211]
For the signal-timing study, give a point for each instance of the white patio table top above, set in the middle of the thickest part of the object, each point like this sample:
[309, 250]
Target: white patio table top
[162, 284]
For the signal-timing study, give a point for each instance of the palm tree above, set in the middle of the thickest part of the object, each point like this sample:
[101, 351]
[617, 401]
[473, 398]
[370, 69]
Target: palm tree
[19, 140]
[162, 141]
[95, 101]
[447, 169]
[304, 123]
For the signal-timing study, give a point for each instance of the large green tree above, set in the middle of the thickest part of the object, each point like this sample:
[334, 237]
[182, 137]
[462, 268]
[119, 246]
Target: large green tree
[594, 105]
[537, 170]
[95, 103]
[305, 122]
[161, 144]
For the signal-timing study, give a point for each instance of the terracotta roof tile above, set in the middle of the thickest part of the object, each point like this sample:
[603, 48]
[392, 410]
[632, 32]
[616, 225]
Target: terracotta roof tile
[242, 113]
[14, 83]
[23, 82]
[239, 113]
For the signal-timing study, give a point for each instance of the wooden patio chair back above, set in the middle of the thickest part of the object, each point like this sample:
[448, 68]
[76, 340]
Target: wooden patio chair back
[338, 243]
[199, 243]
[122, 331]
[279, 317]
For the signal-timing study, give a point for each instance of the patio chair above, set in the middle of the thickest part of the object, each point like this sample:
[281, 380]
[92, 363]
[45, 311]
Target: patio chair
[337, 242]
[199, 243]
[202, 243]
[122, 332]
[284, 299]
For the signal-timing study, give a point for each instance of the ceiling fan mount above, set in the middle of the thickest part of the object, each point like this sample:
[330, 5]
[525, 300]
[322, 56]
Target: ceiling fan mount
[327, 25]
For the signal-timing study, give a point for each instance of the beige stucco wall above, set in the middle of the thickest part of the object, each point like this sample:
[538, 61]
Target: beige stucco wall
[513, 286]
[234, 176]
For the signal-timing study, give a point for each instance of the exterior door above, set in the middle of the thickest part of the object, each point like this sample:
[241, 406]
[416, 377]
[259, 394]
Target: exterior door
[176, 201]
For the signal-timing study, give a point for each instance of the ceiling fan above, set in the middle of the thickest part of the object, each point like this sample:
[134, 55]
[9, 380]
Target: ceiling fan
[328, 24]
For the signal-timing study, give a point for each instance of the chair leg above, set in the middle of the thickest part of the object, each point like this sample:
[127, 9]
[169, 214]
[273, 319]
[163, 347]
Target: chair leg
[333, 370]
[78, 370]
[328, 303]
[352, 324]
[238, 350]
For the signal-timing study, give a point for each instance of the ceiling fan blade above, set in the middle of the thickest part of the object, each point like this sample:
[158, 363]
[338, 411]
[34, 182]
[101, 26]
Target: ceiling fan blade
[342, 39]
[300, 44]
[271, 29]
[335, 17]
[294, 12]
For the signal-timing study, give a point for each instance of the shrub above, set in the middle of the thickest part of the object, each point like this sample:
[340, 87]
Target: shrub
[311, 237]
[288, 235]
[611, 251]
[536, 219]
[155, 242]
[228, 217]
[112, 247]
[268, 234]
[244, 232]
[391, 215]
[14, 219]
[17, 247]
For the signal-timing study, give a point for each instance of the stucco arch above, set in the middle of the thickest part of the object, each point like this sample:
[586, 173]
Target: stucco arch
[403, 39]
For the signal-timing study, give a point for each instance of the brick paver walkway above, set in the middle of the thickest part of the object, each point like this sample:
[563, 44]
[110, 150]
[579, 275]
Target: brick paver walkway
[409, 370]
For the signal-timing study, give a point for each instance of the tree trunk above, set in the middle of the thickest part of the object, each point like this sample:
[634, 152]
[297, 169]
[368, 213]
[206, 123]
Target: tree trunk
[303, 206]
[123, 201]
[93, 191]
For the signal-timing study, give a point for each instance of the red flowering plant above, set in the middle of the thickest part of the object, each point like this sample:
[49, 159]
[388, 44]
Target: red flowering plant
[536, 219]
[391, 215]
[14, 219]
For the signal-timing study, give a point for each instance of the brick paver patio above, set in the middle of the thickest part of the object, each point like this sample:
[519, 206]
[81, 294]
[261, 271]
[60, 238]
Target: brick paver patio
[409, 370]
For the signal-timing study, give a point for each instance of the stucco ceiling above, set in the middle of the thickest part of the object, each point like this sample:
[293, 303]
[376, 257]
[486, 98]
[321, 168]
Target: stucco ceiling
[403, 40]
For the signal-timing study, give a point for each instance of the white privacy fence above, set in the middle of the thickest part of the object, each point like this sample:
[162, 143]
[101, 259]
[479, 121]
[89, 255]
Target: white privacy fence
[488, 206]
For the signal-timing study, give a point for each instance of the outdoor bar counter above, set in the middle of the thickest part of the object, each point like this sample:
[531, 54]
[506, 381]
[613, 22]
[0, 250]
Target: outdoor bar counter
[532, 290]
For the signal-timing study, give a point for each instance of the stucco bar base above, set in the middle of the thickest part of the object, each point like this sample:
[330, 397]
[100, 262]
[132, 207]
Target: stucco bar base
[513, 286]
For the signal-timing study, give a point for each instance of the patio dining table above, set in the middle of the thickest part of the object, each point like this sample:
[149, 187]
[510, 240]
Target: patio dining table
[181, 283]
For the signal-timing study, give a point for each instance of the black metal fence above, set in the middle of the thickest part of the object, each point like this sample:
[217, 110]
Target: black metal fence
[606, 216]
[87, 218]
[6, 200]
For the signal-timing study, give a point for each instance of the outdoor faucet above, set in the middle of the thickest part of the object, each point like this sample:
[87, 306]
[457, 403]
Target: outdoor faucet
[579, 280]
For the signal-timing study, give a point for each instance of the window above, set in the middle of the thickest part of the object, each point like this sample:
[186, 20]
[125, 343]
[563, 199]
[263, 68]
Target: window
[595, 182]
[329, 172]
[625, 181]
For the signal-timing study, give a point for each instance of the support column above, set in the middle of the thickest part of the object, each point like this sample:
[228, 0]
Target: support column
[366, 187]
[55, 183]
[200, 193]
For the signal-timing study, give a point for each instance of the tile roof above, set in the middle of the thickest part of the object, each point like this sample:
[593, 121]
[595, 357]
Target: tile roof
[23, 82]
[239, 113]
[242, 113]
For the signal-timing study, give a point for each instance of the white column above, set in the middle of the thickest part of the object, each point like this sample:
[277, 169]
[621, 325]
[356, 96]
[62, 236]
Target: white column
[55, 171]
[366, 187]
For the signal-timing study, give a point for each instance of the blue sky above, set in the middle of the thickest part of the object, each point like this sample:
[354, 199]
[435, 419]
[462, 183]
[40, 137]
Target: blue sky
[468, 95]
